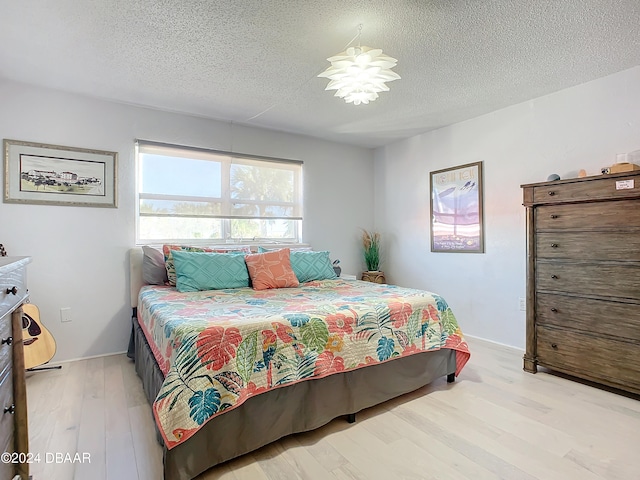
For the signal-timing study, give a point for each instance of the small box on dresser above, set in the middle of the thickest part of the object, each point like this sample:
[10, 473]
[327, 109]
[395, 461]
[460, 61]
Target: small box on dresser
[13, 397]
[583, 278]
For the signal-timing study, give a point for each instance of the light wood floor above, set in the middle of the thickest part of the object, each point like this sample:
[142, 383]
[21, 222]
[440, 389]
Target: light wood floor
[494, 422]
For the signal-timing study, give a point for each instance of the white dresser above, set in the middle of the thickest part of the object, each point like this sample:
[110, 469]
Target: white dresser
[13, 396]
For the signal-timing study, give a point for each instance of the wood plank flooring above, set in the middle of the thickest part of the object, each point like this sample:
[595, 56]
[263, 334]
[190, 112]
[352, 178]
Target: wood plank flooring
[494, 422]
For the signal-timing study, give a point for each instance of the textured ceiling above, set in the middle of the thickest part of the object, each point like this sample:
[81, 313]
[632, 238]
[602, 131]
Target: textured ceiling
[255, 61]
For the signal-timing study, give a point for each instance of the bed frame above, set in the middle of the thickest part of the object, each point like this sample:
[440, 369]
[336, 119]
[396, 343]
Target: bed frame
[277, 413]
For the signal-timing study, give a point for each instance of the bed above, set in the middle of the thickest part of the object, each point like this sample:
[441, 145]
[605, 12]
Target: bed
[217, 406]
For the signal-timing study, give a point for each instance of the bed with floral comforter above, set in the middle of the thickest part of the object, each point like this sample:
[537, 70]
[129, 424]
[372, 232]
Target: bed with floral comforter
[219, 348]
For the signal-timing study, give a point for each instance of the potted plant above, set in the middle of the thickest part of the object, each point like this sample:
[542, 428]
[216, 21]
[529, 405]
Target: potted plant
[371, 251]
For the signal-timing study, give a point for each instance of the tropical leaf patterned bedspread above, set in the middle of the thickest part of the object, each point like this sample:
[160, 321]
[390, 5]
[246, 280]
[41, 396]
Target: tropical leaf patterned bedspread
[217, 348]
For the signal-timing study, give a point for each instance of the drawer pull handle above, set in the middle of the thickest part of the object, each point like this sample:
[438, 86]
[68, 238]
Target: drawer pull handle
[13, 290]
[554, 276]
[8, 341]
[554, 346]
[554, 309]
[554, 245]
[554, 216]
[551, 193]
[10, 409]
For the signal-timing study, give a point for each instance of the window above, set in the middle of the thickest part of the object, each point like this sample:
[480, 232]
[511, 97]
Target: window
[195, 195]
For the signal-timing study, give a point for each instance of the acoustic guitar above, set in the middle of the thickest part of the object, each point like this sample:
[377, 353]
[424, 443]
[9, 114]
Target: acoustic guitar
[39, 344]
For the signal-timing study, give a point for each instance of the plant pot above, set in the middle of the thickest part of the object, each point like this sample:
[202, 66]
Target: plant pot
[374, 276]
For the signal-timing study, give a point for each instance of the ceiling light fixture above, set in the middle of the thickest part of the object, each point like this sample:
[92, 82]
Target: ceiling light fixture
[359, 73]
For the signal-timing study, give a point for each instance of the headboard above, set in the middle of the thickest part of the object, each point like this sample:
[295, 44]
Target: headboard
[135, 274]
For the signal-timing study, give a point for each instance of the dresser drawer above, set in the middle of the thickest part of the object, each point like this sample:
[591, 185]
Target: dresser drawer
[597, 189]
[589, 245]
[588, 356]
[7, 419]
[620, 214]
[589, 315]
[7, 469]
[6, 349]
[17, 279]
[589, 279]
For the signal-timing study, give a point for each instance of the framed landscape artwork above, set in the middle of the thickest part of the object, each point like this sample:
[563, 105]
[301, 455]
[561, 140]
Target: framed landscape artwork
[456, 209]
[56, 175]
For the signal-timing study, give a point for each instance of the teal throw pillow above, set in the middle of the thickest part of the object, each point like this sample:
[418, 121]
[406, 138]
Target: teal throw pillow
[310, 266]
[197, 271]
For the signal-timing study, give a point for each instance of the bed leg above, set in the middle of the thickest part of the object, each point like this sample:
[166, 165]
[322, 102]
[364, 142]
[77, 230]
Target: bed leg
[451, 378]
[351, 418]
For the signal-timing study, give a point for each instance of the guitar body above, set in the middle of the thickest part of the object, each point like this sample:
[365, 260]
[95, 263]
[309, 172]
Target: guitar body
[39, 344]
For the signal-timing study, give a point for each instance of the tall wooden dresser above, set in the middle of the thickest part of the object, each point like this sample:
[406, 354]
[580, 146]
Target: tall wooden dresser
[583, 278]
[13, 397]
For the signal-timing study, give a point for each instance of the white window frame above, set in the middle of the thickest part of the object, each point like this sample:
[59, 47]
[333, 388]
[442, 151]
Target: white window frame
[227, 159]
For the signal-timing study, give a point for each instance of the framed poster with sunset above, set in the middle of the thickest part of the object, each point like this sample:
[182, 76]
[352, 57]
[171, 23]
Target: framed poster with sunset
[456, 209]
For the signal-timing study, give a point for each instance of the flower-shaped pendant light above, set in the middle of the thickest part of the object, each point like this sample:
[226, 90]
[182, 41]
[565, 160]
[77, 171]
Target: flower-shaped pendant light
[359, 74]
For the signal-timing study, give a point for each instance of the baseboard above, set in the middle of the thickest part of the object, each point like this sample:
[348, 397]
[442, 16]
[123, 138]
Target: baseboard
[62, 362]
[494, 342]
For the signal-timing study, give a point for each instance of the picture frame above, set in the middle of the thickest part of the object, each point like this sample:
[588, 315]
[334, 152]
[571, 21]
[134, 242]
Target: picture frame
[43, 174]
[457, 223]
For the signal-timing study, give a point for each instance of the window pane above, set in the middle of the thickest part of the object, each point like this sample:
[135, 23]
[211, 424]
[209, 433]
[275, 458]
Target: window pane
[172, 228]
[254, 228]
[266, 183]
[180, 176]
[180, 207]
[261, 210]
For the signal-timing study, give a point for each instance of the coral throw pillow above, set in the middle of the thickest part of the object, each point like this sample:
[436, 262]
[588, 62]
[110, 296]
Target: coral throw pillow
[271, 270]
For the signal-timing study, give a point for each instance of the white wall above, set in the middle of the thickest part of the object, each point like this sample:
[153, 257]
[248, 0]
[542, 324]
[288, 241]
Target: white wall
[80, 254]
[579, 128]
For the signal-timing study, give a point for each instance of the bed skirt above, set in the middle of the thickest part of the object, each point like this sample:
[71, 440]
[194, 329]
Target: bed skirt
[277, 413]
